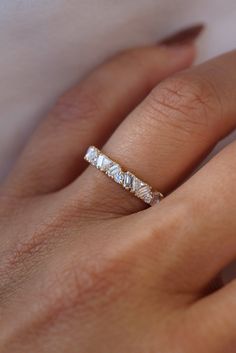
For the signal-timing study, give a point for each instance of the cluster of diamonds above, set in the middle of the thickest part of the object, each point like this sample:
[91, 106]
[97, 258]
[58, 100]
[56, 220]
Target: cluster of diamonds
[125, 178]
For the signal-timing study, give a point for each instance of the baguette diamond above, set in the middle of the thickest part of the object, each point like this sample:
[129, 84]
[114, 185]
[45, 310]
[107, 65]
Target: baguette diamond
[115, 173]
[103, 162]
[128, 180]
[92, 155]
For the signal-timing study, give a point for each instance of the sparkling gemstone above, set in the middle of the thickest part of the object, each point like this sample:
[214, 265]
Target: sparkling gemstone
[127, 180]
[144, 193]
[148, 198]
[136, 184]
[118, 177]
[113, 170]
[92, 155]
[103, 162]
[157, 197]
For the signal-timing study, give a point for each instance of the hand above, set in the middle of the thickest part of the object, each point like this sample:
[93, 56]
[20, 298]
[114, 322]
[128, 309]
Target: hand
[81, 269]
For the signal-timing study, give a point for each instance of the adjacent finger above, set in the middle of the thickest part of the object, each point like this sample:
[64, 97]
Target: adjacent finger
[90, 112]
[200, 221]
[214, 322]
[168, 134]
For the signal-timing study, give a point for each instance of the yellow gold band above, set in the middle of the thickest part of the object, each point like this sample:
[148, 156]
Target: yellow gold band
[125, 178]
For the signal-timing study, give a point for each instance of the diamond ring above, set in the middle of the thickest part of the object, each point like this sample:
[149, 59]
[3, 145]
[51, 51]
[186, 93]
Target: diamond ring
[125, 178]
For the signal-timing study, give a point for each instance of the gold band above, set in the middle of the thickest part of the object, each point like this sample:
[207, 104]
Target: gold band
[125, 178]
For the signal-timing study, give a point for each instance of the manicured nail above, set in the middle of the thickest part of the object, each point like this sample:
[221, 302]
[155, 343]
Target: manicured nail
[185, 36]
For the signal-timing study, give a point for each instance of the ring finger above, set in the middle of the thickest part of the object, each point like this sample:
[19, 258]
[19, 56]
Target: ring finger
[167, 134]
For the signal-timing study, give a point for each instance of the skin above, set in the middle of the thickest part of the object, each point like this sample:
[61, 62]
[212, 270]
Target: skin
[85, 267]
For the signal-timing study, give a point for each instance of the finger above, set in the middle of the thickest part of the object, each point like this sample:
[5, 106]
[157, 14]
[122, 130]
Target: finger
[168, 134]
[214, 321]
[91, 111]
[200, 221]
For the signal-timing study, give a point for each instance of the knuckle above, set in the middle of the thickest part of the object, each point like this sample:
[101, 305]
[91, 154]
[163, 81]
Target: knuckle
[187, 102]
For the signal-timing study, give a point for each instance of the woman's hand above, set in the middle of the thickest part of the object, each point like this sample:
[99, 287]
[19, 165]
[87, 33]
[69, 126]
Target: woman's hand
[81, 269]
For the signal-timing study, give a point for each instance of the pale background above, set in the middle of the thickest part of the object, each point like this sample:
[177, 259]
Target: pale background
[48, 45]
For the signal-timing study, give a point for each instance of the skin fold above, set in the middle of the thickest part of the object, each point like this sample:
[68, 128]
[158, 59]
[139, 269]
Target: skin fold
[85, 267]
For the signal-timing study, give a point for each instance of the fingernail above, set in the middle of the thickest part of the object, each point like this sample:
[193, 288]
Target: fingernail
[185, 36]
